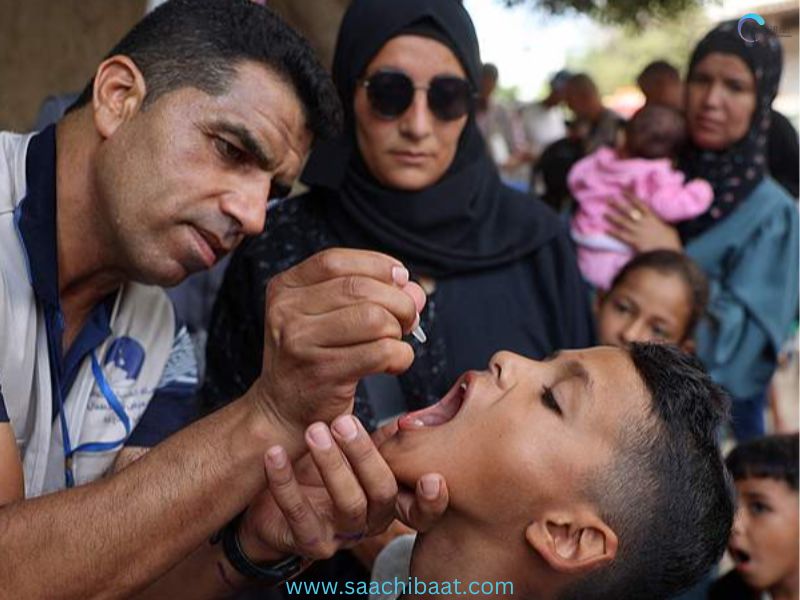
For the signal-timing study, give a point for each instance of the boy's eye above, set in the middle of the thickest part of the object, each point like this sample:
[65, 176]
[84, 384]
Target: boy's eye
[549, 401]
[758, 508]
[622, 307]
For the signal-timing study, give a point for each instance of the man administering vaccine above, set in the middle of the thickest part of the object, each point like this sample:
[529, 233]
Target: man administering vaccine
[162, 166]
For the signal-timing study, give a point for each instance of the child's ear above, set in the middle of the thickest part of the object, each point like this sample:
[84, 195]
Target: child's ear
[688, 345]
[573, 543]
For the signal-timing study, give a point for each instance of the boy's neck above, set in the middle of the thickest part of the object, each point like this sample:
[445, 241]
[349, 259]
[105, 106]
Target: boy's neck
[455, 551]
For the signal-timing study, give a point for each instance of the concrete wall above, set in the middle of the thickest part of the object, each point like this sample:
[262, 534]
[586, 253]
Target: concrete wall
[53, 46]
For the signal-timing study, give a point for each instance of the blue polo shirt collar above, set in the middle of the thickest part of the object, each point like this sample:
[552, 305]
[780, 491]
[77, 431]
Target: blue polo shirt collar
[36, 220]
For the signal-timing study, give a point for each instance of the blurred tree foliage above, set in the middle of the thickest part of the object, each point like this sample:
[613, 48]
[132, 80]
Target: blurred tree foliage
[621, 55]
[635, 13]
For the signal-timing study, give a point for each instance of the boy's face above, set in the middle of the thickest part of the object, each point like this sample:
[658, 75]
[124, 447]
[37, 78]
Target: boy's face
[524, 436]
[646, 306]
[764, 538]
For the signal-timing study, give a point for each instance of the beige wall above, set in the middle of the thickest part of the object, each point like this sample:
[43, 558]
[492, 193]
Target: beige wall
[53, 46]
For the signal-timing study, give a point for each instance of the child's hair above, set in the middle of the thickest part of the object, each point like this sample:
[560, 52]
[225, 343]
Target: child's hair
[656, 131]
[772, 457]
[668, 262]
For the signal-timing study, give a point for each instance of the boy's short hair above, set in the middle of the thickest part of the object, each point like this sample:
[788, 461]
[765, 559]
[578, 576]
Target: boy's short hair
[658, 69]
[769, 457]
[199, 43]
[670, 262]
[667, 494]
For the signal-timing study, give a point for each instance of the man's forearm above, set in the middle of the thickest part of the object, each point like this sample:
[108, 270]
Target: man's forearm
[113, 537]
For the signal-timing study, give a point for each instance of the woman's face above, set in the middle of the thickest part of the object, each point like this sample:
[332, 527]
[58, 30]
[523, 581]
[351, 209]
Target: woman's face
[721, 100]
[412, 151]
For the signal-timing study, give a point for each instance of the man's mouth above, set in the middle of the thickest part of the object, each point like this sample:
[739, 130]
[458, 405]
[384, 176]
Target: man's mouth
[209, 246]
[440, 413]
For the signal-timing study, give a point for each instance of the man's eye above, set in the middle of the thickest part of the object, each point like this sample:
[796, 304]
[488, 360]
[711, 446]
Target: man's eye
[230, 152]
[549, 401]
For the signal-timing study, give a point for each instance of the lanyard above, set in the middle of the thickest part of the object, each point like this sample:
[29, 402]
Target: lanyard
[116, 406]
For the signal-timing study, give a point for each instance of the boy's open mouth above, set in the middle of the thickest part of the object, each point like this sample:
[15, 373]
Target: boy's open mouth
[439, 413]
[740, 557]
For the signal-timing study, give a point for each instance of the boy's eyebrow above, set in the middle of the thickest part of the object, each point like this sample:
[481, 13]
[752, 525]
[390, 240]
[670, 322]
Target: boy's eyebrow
[248, 141]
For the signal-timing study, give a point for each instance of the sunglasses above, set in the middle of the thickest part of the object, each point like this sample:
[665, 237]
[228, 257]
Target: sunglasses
[390, 93]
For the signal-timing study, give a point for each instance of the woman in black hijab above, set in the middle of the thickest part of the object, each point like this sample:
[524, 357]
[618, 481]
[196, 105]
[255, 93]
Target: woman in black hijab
[411, 177]
[747, 241]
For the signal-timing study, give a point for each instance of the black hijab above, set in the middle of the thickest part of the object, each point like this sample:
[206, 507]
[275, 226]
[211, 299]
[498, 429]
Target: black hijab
[466, 221]
[734, 172]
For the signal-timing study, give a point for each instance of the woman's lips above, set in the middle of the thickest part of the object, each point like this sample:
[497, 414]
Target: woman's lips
[442, 412]
[410, 158]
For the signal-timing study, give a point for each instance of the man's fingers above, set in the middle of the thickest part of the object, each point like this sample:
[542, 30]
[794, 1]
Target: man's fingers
[426, 505]
[353, 362]
[341, 483]
[347, 326]
[340, 262]
[306, 527]
[374, 475]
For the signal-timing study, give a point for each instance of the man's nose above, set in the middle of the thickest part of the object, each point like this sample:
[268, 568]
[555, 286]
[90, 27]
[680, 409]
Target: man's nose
[248, 205]
[417, 121]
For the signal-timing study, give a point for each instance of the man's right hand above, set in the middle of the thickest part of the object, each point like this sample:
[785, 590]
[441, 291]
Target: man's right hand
[331, 320]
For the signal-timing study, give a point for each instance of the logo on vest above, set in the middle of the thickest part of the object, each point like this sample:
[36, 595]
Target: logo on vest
[126, 357]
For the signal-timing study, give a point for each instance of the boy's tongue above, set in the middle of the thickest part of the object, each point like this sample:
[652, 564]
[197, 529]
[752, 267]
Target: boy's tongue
[441, 412]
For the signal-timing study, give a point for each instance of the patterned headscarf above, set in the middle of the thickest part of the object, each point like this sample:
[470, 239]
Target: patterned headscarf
[735, 171]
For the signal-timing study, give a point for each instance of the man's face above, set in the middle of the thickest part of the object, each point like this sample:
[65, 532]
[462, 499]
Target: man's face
[763, 541]
[183, 181]
[523, 436]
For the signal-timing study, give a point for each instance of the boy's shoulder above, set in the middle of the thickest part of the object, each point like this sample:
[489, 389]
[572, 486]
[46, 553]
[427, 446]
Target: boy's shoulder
[732, 587]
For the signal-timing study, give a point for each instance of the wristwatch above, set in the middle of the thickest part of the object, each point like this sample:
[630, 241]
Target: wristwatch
[270, 573]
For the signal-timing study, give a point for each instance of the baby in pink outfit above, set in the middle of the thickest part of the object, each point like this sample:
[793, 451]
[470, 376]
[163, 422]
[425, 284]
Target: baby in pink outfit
[642, 167]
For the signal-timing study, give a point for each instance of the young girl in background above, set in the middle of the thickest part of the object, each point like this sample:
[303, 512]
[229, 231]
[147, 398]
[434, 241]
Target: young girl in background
[658, 296]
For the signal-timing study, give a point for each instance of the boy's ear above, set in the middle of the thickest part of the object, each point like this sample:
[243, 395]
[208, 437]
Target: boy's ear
[688, 345]
[573, 543]
[118, 93]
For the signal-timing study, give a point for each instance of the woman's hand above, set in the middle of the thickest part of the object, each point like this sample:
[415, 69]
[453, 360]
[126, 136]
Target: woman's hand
[635, 224]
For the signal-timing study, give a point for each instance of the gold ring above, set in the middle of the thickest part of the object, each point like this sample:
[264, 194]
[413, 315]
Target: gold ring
[635, 214]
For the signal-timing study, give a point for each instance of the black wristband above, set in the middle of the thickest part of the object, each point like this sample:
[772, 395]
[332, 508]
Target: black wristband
[272, 573]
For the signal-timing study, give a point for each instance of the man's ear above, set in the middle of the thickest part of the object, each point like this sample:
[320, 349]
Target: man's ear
[573, 543]
[118, 93]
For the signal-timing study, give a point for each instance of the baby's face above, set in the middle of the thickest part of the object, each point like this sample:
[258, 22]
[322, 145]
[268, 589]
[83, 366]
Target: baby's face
[646, 306]
[522, 436]
[763, 542]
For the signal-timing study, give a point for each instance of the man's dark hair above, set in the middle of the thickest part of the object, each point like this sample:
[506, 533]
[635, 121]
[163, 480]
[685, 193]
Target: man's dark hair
[670, 262]
[667, 496]
[769, 457]
[656, 131]
[199, 43]
[658, 69]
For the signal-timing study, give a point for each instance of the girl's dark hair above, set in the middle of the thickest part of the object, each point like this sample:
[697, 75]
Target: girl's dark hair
[670, 262]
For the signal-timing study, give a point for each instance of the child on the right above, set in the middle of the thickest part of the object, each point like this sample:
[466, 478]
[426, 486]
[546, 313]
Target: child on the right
[765, 535]
[642, 167]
